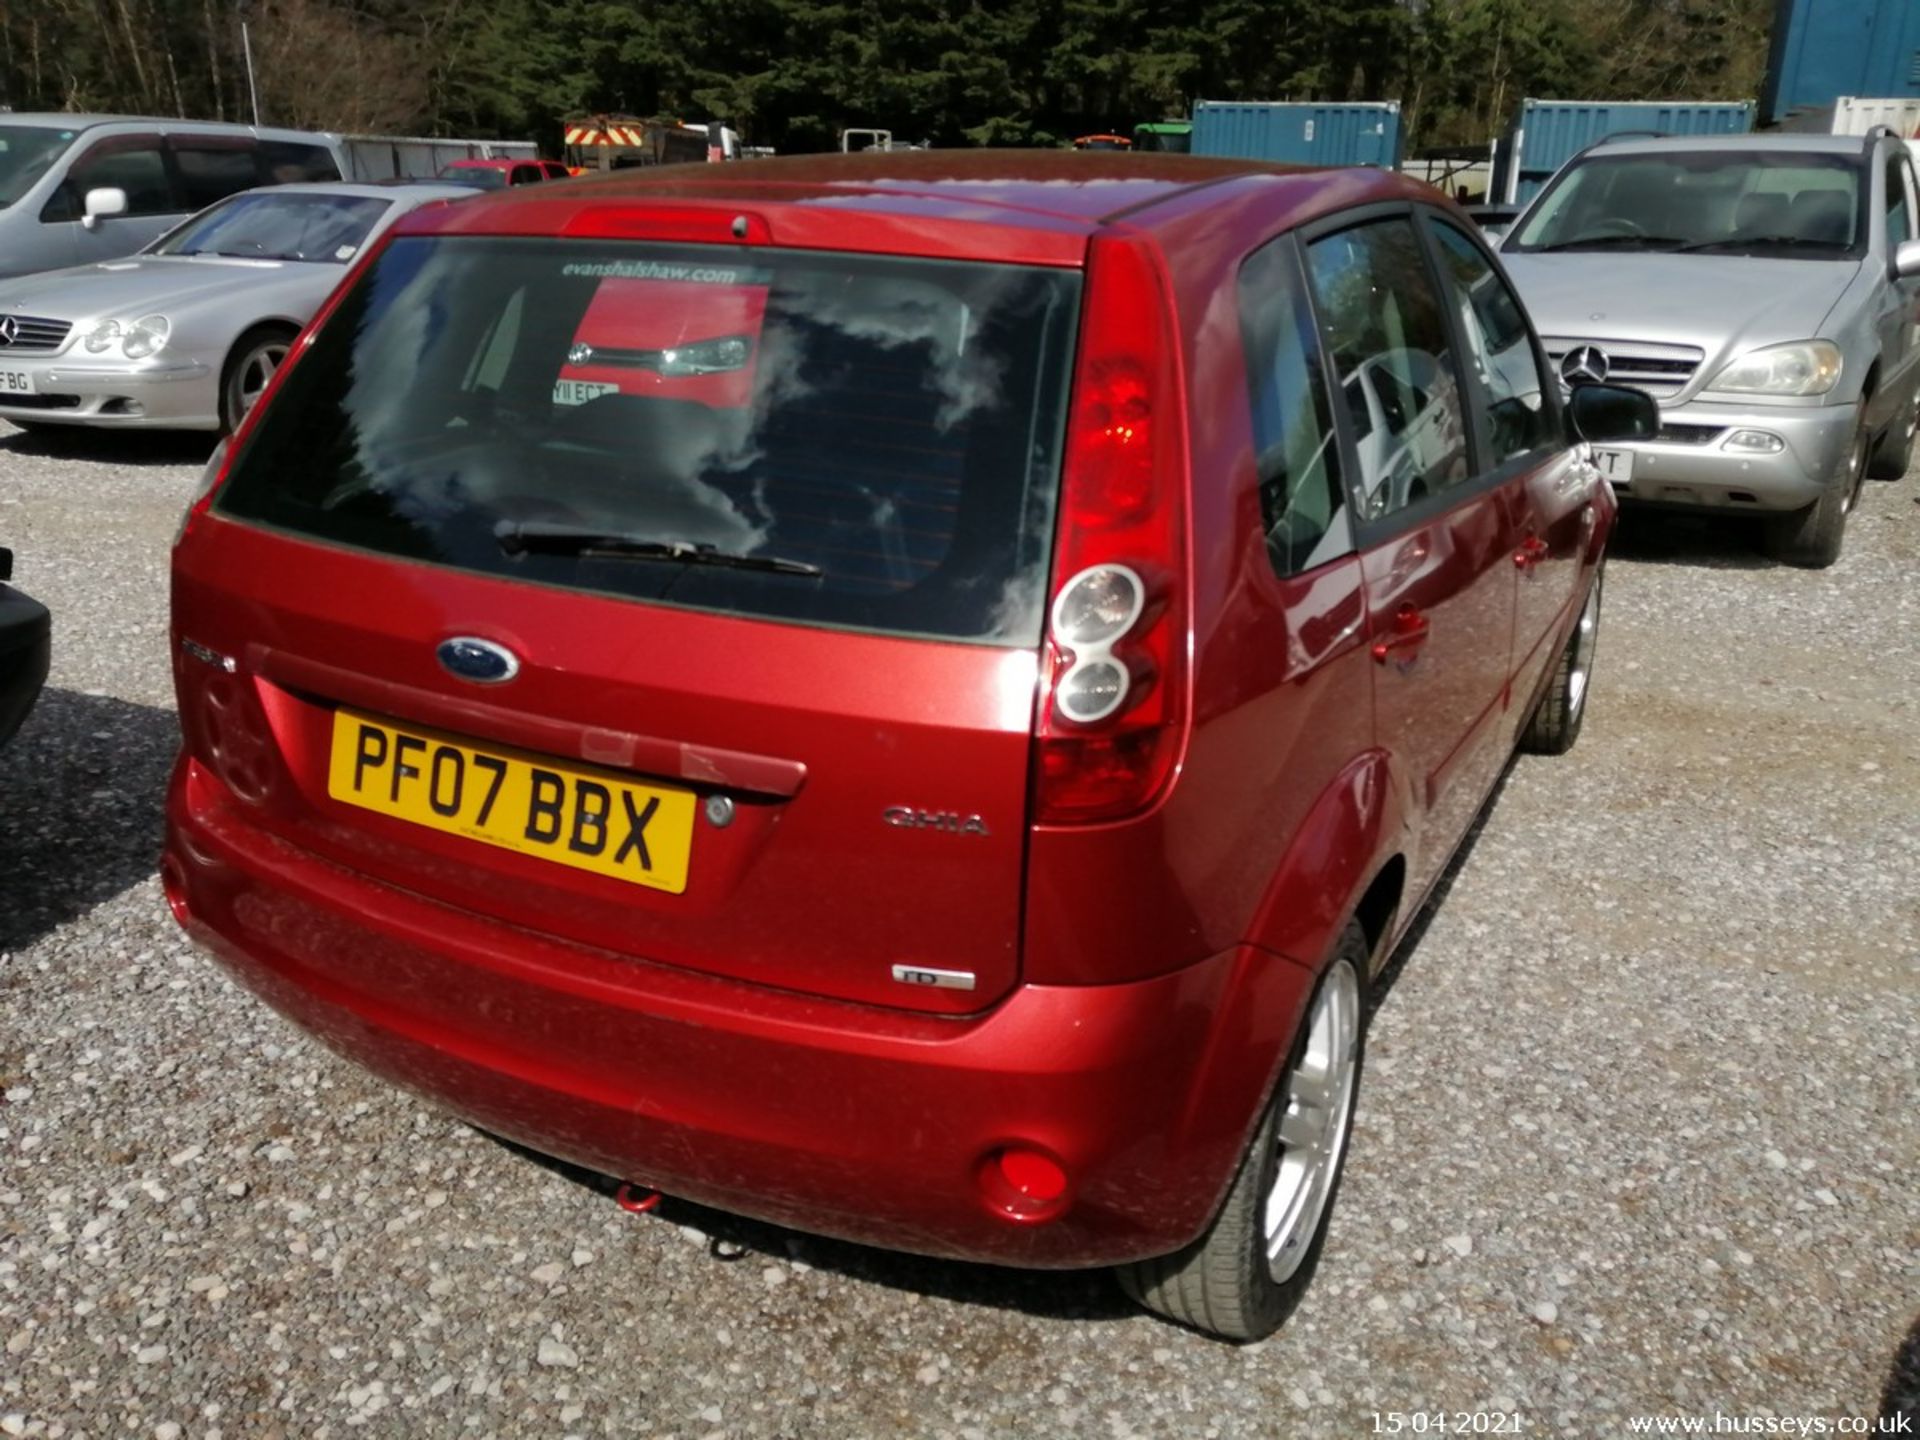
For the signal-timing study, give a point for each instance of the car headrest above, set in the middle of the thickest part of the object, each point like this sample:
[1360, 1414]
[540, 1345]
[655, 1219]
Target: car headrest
[679, 437]
[1821, 215]
[1762, 215]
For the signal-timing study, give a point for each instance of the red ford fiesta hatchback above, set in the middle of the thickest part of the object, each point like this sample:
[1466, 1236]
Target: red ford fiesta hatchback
[903, 695]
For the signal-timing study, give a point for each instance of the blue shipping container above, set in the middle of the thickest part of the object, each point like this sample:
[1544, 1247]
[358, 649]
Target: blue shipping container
[1298, 134]
[1823, 49]
[1545, 134]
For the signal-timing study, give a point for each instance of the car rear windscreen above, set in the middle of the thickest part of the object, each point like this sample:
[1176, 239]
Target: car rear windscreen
[830, 439]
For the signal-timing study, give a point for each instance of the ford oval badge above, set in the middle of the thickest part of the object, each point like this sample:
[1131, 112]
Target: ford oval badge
[481, 661]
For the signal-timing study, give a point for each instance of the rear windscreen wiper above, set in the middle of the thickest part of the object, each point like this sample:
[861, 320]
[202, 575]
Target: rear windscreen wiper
[537, 539]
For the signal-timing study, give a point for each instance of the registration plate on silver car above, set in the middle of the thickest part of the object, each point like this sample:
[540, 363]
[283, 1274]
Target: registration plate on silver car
[15, 382]
[1616, 465]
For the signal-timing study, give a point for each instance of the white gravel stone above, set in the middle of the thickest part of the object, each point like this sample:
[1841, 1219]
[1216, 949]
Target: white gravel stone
[557, 1355]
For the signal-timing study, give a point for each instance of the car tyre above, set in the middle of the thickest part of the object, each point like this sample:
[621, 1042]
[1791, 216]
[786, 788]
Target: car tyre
[1894, 454]
[1244, 1276]
[1811, 537]
[1556, 720]
[250, 365]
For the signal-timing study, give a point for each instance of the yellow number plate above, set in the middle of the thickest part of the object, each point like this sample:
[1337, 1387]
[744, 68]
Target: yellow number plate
[575, 815]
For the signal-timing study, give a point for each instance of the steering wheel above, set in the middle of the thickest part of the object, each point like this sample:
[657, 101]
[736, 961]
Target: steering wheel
[1618, 225]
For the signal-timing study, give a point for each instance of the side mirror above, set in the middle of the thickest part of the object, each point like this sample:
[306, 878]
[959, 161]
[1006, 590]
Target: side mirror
[1601, 413]
[1906, 260]
[108, 200]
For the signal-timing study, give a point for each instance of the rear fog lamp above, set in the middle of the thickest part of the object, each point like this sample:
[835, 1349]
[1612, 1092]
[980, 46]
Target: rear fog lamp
[1755, 442]
[1025, 1184]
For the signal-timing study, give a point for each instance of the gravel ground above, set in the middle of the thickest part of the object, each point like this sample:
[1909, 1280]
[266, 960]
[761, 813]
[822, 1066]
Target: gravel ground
[1638, 1134]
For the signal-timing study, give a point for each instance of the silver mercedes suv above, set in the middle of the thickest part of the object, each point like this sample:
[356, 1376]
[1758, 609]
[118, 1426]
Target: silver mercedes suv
[1766, 290]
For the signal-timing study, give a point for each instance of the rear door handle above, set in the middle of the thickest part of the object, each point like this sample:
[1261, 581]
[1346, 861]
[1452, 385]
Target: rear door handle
[1409, 634]
[1531, 552]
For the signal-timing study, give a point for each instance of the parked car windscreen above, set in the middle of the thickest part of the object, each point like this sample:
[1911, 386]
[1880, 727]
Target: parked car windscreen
[834, 439]
[26, 153]
[265, 225]
[1771, 202]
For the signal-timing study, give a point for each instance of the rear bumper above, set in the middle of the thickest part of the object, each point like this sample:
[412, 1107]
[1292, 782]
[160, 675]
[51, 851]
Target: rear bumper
[26, 650]
[1709, 474]
[849, 1120]
[164, 394]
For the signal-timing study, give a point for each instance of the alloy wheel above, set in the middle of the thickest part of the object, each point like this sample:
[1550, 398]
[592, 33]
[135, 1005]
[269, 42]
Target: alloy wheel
[1318, 1100]
[253, 374]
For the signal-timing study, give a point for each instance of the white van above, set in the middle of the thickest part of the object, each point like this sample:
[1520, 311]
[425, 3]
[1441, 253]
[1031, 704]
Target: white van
[80, 188]
[75, 189]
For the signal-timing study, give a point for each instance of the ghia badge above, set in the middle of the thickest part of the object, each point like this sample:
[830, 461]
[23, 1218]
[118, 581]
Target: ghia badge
[906, 817]
[481, 661]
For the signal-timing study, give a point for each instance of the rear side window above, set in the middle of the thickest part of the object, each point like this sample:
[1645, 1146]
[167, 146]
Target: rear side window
[830, 439]
[130, 163]
[1303, 502]
[1503, 370]
[1387, 337]
[291, 163]
[211, 170]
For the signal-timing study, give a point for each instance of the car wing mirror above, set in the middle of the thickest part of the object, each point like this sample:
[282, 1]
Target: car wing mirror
[1906, 260]
[99, 204]
[1598, 414]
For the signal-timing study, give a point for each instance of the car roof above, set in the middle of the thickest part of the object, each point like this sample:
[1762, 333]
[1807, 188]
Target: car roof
[56, 120]
[1075, 190]
[52, 120]
[494, 162]
[1852, 145]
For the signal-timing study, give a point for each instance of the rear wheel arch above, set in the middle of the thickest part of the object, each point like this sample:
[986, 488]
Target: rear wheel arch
[1348, 839]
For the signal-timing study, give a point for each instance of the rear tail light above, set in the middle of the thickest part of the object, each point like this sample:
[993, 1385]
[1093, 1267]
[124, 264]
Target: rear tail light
[1113, 714]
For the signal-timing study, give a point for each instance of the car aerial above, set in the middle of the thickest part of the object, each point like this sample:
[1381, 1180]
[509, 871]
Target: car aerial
[81, 188]
[1763, 289]
[929, 736]
[187, 334]
[25, 650]
[499, 174]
